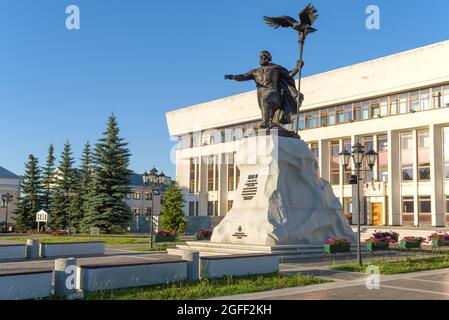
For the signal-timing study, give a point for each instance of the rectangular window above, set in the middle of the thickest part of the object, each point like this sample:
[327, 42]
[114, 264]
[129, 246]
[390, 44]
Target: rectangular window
[316, 119]
[408, 205]
[237, 176]
[347, 175]
[348, 113]
[147, 196]
[136, 211]
[425, 204]
[309, 122]
[365, 110]
[315, 149]
[210, 173]
[384, 107]
[446, 96]
[347, 209]
[136, 195]
[407, 156]
[323, 118]
[368, 143]
[394, 105]
[148, 211]
[335, 163]
[375, 109]
[357, 112]
[192, 176]
[340, 117]
[231, 171]
[301, 123]
[423, 155]
[230, 204]
[332, 117]
[414, 101]
[382, 150]
[210, 208]
[191, 208]
[425, 99]
[403, 103]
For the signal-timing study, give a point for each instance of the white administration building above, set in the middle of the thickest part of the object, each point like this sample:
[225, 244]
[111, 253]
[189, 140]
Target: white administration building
[397, 105]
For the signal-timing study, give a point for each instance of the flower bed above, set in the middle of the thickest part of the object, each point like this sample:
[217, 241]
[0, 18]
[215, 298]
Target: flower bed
[203, 235]
[439, 239]
[381, 241]
[377, 246]
[411, 242]
[337, 245]
[390, 237]
[165, 236]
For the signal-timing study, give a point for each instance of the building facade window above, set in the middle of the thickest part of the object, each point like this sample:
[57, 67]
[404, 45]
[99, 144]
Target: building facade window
[382, 150]
[191, 208]
[425, 209]
[230, 204]
[334, 163]
[368, 143]
[136, 211]
[136, 195]
[347, 209]
[231, 171]
[147, 211]
[347, 145]
[315, 149]
[407, 156]
[148, 196]
[423, 155]
[212, 208]
[408, 210]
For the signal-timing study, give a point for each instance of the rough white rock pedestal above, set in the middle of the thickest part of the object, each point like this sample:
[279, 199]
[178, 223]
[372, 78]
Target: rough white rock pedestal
[281, 199]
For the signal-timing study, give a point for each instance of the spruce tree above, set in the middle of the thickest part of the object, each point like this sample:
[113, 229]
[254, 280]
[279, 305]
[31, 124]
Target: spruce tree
[66, 188]
[85, 184]
[30, 200]
[172, 214]
[107, 209]
[48, 180]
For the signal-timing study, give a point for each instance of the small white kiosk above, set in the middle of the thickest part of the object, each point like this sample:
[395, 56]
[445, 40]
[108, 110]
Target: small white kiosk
[42, 216]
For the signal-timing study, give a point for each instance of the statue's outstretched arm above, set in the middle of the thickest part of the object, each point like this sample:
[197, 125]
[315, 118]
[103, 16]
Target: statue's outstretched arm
[240, 77]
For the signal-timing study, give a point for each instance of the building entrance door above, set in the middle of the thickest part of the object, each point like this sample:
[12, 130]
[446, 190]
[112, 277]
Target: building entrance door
[377, 214]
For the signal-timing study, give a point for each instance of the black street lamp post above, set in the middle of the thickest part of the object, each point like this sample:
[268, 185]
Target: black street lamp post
[358, 154]
[152, 179]
[7, 199]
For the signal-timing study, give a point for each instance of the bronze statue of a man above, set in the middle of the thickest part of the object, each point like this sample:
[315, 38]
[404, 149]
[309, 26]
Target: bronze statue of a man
[276, 91]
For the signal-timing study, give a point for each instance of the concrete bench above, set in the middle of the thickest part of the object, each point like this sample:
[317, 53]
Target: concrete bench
[26, 284]
[12, 251]
[72, 249]
[114, 276]
[238, 265]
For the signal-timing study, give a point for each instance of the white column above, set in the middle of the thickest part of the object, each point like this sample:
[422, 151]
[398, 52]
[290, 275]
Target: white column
[323, 146]
[342, 180]
[394, 179]
[415, 177]
[436, 176]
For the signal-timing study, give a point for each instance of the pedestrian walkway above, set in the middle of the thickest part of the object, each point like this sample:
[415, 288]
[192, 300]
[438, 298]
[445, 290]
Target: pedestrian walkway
[426, 285]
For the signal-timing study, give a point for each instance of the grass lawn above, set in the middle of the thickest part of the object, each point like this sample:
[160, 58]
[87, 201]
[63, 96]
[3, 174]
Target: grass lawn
[403, 266]
[107, 240]
[207, 288]
[157, 247]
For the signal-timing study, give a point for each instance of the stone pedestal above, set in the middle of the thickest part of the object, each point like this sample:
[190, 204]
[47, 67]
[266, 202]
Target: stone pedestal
[281, 199]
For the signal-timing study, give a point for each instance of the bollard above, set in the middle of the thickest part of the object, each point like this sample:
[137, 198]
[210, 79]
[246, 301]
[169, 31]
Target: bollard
[32, 249]
[193, 264]
[65, 277]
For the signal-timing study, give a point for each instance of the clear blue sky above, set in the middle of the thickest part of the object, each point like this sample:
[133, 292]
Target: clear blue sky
[142, 58]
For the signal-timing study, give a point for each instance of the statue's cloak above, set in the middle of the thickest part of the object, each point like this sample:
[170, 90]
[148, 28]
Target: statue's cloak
[289, 97]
